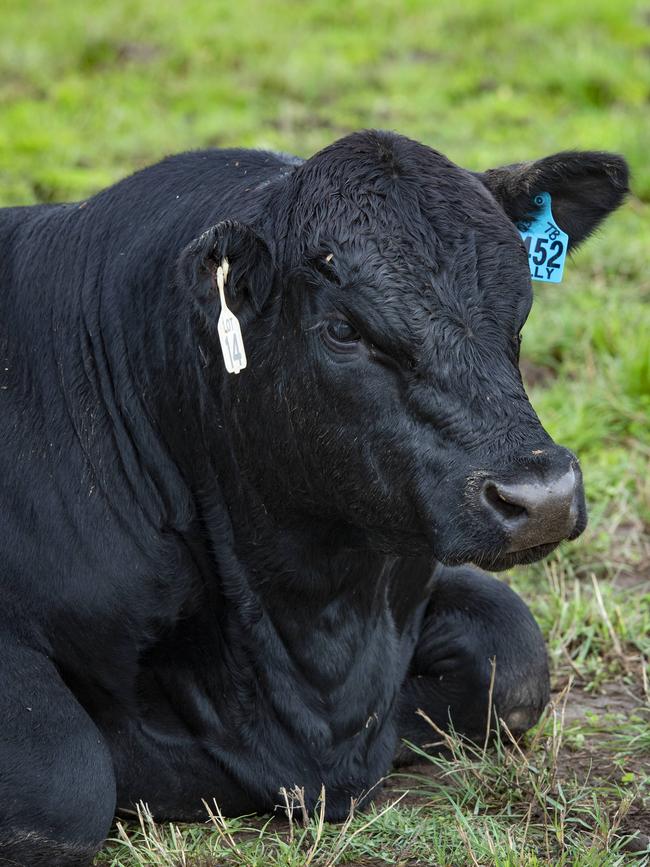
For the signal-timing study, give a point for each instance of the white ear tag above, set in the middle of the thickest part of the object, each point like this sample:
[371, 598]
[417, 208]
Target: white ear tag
[232, 345]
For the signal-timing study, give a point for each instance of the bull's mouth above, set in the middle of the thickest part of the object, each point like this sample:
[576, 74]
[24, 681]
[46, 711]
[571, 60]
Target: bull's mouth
[500, 559]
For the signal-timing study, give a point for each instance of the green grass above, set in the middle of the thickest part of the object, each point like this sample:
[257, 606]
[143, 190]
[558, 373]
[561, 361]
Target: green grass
[90, 91]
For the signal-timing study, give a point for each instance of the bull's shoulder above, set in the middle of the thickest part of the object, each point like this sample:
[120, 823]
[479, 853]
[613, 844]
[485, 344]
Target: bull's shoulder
[215, 173]
[158, 210]
[200, 180]
[219, 159]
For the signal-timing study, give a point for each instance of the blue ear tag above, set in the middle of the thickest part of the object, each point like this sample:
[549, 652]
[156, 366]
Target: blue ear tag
[546, 244]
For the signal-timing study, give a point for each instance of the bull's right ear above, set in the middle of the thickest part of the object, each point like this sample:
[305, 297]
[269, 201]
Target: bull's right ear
[250, 266]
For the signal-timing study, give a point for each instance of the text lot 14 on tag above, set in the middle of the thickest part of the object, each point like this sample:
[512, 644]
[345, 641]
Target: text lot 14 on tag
[228, 328]
[232, 344]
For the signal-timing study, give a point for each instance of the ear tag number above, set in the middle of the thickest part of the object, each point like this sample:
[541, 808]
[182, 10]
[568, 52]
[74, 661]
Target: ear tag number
[546, 244]
[232, 345]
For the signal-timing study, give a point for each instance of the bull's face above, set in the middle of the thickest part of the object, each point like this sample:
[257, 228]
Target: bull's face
[383, 397]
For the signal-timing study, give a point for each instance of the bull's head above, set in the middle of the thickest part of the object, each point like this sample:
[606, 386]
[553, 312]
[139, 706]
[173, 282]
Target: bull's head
[383, 398]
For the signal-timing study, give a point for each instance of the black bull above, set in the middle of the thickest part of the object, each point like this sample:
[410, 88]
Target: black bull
[216, 585]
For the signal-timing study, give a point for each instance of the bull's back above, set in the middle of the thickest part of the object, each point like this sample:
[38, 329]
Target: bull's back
[13, 222]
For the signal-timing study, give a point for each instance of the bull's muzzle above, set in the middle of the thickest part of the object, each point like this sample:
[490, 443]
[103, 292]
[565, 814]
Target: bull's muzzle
[538, 509]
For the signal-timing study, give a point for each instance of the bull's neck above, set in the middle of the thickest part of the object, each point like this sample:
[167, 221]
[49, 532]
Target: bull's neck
[317, 659]
[317, 611]
[304, 561]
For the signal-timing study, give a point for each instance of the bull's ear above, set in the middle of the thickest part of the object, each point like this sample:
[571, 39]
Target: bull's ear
[250, 266]
[585, 187]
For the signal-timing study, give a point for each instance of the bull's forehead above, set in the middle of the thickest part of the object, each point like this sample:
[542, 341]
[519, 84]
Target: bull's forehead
[421, 251]
[392, 209]
[450, 263]
[383, 179]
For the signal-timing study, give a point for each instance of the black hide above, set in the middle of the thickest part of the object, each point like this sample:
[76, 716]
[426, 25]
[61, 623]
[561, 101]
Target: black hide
[215, 586]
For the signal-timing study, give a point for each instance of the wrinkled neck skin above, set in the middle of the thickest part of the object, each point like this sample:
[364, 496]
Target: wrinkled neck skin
[298, 615]
[319, 658]
[310, 652]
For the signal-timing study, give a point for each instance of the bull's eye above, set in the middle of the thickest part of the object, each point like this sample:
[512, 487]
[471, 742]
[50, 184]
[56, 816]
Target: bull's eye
[341, 336]
[340, 331]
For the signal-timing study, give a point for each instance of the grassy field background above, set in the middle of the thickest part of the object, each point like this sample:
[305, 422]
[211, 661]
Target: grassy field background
[91, 91]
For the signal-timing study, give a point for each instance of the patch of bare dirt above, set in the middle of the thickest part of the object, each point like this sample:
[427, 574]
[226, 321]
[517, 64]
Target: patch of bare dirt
[631, 549]
[535, 374]
[606, 757]
[613, 698]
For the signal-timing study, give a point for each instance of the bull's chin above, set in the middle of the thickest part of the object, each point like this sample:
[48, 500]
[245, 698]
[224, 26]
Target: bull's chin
[499, 557]
[501, 560]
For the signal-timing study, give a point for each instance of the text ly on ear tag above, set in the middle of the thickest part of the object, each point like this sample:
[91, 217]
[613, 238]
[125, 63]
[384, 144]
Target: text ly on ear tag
[546, 244]
[232, 345]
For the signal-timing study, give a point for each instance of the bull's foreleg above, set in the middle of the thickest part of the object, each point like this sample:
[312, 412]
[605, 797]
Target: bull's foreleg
[471, 619]
[57, 786]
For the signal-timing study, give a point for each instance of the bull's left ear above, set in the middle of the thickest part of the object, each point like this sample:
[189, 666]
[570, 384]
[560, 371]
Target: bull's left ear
[250, 266]
[585, 187]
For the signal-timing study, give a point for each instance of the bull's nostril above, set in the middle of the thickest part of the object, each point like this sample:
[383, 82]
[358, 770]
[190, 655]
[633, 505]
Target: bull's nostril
[504, 507]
